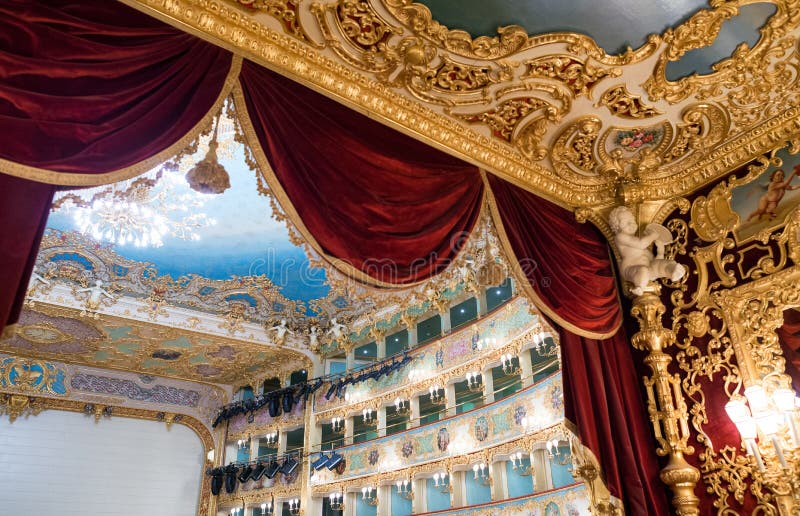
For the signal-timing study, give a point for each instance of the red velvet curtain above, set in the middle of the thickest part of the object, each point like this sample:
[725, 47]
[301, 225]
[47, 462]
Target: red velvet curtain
[94, 86]
[602, 397]
[23, 213]
[88, 90]
[789, 335]
[391, 207]
[569, 270]
[567, 263]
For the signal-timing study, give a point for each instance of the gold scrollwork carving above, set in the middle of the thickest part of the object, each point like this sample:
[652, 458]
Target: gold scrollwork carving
[576, 75]
[287, 12]
[513, 122]
[623, 104]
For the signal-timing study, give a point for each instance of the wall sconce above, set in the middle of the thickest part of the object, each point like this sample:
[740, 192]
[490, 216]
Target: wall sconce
[242, 444]
[369, 417]
[337, 501]
[272, 438]
[337, 425]
[235, 511]
[771, 415]
[370, 496]
[440, 481]
[555, 455]
[401, 406]
[474, 382]
[294, 507]
[437, 395]
[517, 465]
[509, 367]
[404, 489]
[486, 343]
[268, 508]
[481, 473]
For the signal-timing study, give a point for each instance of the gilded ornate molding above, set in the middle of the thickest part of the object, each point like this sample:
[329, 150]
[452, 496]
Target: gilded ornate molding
[502, 102]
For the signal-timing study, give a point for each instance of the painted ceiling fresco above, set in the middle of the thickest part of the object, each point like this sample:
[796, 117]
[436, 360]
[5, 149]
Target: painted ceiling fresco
[57, 333]
[614, 25]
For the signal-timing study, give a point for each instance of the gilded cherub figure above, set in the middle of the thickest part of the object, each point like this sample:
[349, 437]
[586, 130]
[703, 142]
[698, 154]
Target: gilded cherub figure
[280, 332]
[638, 264]
[336, 330]
[96, 295]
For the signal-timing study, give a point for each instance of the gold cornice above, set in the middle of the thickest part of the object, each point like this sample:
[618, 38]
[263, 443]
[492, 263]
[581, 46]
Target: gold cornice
[225, 26]
[393, 80]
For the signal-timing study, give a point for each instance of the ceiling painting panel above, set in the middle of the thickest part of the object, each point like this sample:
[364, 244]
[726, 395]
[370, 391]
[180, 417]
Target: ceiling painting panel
[57, 333]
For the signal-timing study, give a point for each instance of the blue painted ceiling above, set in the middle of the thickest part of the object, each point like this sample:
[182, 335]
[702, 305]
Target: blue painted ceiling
[246, 239]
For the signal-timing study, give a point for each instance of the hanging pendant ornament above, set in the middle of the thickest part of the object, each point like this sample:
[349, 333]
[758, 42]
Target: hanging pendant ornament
[208, 176]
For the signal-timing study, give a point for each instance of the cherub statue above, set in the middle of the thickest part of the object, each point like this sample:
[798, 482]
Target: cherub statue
[336, 330]
[35, 281]
[96, 294]
[313, 338]
[638, 265]
[280, 331]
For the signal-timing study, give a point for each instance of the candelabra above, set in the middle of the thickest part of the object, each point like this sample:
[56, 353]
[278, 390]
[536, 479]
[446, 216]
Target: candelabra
[474, 382]
[555, 455]
[509, 367]
[370, 496]
[523, 470]
[271, 438]
[369, 417]
[440, 482]
[404, 489]
[267, 508]
[236, 512]
[337, 425]
[337, 501]
[437, 395]
[242, 443]
[481, 473]
[401, 406]
[294, 507]
[486, 343]
[770, 416]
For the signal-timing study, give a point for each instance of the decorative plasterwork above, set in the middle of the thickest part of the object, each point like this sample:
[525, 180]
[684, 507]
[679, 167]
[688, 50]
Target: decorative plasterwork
[503, 102]
[176, 349]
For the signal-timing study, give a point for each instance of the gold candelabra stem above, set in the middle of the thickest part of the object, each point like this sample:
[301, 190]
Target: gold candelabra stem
[665, 404]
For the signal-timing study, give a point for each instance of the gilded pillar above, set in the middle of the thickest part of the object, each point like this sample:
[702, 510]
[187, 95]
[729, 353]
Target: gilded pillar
[665, 404]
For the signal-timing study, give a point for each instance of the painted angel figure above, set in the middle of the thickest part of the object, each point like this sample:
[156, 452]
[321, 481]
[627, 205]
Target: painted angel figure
[336, 330]
[280, 331]
[96, 295]
[776, 189]
[638, 264]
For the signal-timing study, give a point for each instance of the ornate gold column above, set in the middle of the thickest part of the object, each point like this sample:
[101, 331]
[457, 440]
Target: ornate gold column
[665, 403]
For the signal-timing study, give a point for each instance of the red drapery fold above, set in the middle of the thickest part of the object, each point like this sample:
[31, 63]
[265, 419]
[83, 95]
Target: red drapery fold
[394, 209]
[789, 335]
[567, 263]
[570, 274]
[95, 86]
[91, 92]
[23, 213]
[602, 398]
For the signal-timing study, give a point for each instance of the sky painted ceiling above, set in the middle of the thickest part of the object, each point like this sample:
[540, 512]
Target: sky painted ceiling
[614, 25]
[245, 239]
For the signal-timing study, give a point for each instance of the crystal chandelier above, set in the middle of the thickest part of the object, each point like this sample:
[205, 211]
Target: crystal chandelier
[160, 203]
[142, 216]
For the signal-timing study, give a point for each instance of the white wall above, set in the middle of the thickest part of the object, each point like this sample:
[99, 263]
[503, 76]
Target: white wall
[65, 464]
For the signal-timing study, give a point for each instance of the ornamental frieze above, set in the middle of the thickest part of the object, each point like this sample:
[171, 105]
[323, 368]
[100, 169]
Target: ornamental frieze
[502, 102]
